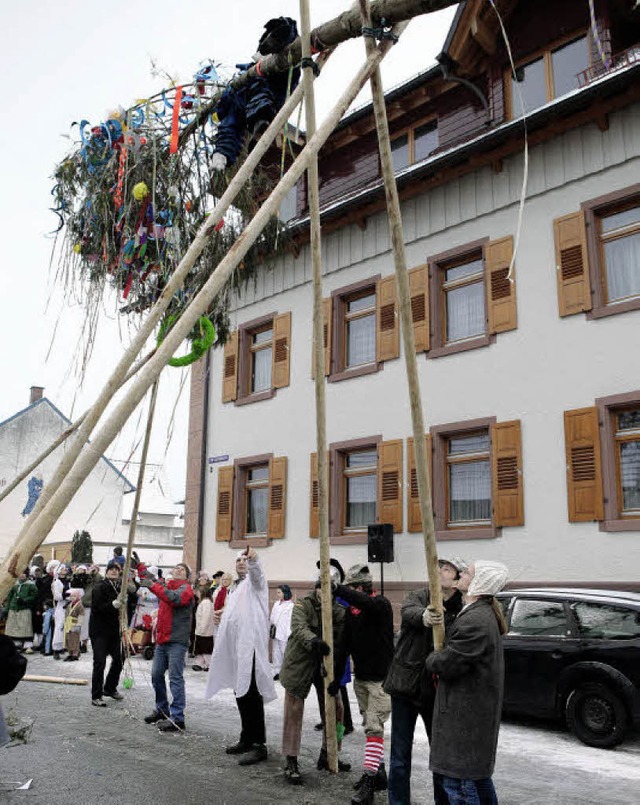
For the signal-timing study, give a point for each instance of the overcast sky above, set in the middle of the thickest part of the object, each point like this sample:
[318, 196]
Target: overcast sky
[73, 59]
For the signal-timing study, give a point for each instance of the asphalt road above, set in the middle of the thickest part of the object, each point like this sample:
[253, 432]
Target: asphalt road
[80, 755]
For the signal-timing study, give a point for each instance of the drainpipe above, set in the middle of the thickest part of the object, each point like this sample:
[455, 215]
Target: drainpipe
[448, 65]
[203, 459]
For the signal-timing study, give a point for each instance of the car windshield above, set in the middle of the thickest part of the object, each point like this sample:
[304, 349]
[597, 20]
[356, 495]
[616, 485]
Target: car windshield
[531, 617]
[606, 622]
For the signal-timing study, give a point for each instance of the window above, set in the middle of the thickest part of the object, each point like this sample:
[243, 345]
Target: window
[468, 480]
[606, 622]
[627, 448]
[472, 296]
[251, 501]
[550, 74]
[256, 488]
[619, 240]
[289, 205]
[360, 328]
[477, 481]
[365, 487]
[256, 359]
[538, 618]
[414, 145]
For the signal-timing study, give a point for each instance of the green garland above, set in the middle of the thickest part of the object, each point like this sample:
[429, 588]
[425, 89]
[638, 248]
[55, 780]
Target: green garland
[198, 345]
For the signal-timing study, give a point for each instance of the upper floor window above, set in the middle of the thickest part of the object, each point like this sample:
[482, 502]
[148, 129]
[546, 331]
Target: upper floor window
[468, 480]
[260, 349]
[414, 145]
[619, 240]
[552, 73]
[359, 328]
[464, 312]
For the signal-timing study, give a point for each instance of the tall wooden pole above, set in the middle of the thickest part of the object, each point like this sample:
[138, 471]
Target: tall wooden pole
[406, 322]
[320, 393]
[30, 539]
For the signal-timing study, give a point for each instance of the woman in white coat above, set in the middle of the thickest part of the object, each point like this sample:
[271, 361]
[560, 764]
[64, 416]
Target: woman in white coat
[59, 588]
[280, 626]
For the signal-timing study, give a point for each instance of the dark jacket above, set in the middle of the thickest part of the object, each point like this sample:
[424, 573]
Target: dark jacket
[407, 676]
[466, 717]
[369, 633]
[105, 618]
[45, 596]
[301, 662]
[176, 601]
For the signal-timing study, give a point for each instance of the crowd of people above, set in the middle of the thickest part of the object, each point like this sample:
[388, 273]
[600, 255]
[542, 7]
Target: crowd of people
[226, 625]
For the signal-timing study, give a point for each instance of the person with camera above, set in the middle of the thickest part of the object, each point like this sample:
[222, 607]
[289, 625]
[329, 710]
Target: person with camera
[104, 631]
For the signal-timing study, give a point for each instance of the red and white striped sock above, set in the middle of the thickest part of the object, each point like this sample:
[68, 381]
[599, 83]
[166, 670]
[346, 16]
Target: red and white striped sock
[373, 754]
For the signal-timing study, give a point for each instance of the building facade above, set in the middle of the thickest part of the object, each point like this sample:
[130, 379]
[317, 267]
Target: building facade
[525, 328]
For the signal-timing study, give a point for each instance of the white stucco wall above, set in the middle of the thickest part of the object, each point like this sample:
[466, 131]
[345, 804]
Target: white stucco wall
[96, 506]
[546, 366]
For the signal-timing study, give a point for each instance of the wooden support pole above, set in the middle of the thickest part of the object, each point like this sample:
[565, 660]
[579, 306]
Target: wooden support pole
[406, 322]
[56, 680]
[326, 597]
[31, 538]
[61, 439]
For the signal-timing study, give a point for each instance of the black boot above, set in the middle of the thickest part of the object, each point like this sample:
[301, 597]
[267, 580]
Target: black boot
[323, 763]
[366, 787]
[292, 772]
[382, 782]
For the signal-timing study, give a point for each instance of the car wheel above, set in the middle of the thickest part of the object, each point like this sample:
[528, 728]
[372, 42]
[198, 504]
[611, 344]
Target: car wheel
[596, 715]
[148, 653]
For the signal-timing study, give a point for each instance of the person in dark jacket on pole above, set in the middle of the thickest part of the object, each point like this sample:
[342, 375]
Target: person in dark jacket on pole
[411, 689]
[176, 599]
[104, 631]
[468, 705]
[369, 641]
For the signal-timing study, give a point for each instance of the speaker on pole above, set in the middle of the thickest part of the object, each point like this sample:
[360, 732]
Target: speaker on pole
[380, 542]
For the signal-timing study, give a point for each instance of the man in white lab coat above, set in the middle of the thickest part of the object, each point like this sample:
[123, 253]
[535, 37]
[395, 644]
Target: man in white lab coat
[241, 656]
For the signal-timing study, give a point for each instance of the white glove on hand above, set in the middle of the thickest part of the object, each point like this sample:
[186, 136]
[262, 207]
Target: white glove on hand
[431, 617]
[117, 603]
[218, 161]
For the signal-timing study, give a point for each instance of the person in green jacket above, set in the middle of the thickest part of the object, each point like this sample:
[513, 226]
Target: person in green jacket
[302, 668]
[19, 605]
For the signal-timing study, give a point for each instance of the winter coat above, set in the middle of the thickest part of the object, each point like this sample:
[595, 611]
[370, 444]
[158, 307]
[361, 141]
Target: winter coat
[369, 633]
[45, 596]
[301, 661]
[407, 677]
[22, 595]
[175, 607]
[468, 704]
[105, 618]
[204, 618]
[243, 636]
[88, 590]
[281, 613]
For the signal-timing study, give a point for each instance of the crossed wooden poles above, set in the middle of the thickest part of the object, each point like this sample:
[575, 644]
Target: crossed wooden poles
[81, 455]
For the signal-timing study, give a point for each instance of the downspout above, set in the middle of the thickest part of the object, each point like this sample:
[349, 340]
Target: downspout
[447, 65]
[203, 459]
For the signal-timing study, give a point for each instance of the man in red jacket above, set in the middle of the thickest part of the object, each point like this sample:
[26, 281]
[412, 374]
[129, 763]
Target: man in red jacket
[173, 628]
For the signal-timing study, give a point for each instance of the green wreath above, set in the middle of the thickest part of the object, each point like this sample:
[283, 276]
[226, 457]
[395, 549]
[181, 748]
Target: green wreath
[198, 345]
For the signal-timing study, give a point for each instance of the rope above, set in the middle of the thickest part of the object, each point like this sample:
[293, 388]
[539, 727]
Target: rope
[379, 34]
[307, 61]
[525, 177]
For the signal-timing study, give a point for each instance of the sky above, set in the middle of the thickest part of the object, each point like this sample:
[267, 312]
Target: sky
[70, 60]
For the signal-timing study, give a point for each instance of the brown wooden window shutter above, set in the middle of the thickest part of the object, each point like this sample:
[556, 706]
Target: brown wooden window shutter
[414, 516]
[572, 264]
[225, 504]
[281, 350]
[387, 329]
[419, 292]
[314, 508]
[506, 474]
[584, 468]
[390, 483]
[230, 369]
[501, 291]
[277, 498]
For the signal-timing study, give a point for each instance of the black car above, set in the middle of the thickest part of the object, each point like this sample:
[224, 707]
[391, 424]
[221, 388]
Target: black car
[575, 654]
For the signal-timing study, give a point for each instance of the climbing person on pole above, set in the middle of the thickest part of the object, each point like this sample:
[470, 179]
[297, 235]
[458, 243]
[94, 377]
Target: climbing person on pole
[468, 703]
[302, 667]
[411, 688]
[173, 628]
[241, 656]
[369, 641]
[104, 631]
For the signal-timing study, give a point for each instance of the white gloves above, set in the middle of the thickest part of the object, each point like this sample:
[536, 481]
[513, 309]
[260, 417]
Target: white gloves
[117, 603]
[431, 617]
[218, 161]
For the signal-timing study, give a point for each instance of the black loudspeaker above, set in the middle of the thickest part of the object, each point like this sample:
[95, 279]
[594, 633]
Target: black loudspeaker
[380, 542]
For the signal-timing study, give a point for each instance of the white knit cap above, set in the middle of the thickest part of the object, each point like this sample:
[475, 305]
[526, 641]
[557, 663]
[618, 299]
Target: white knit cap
[489, 579]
